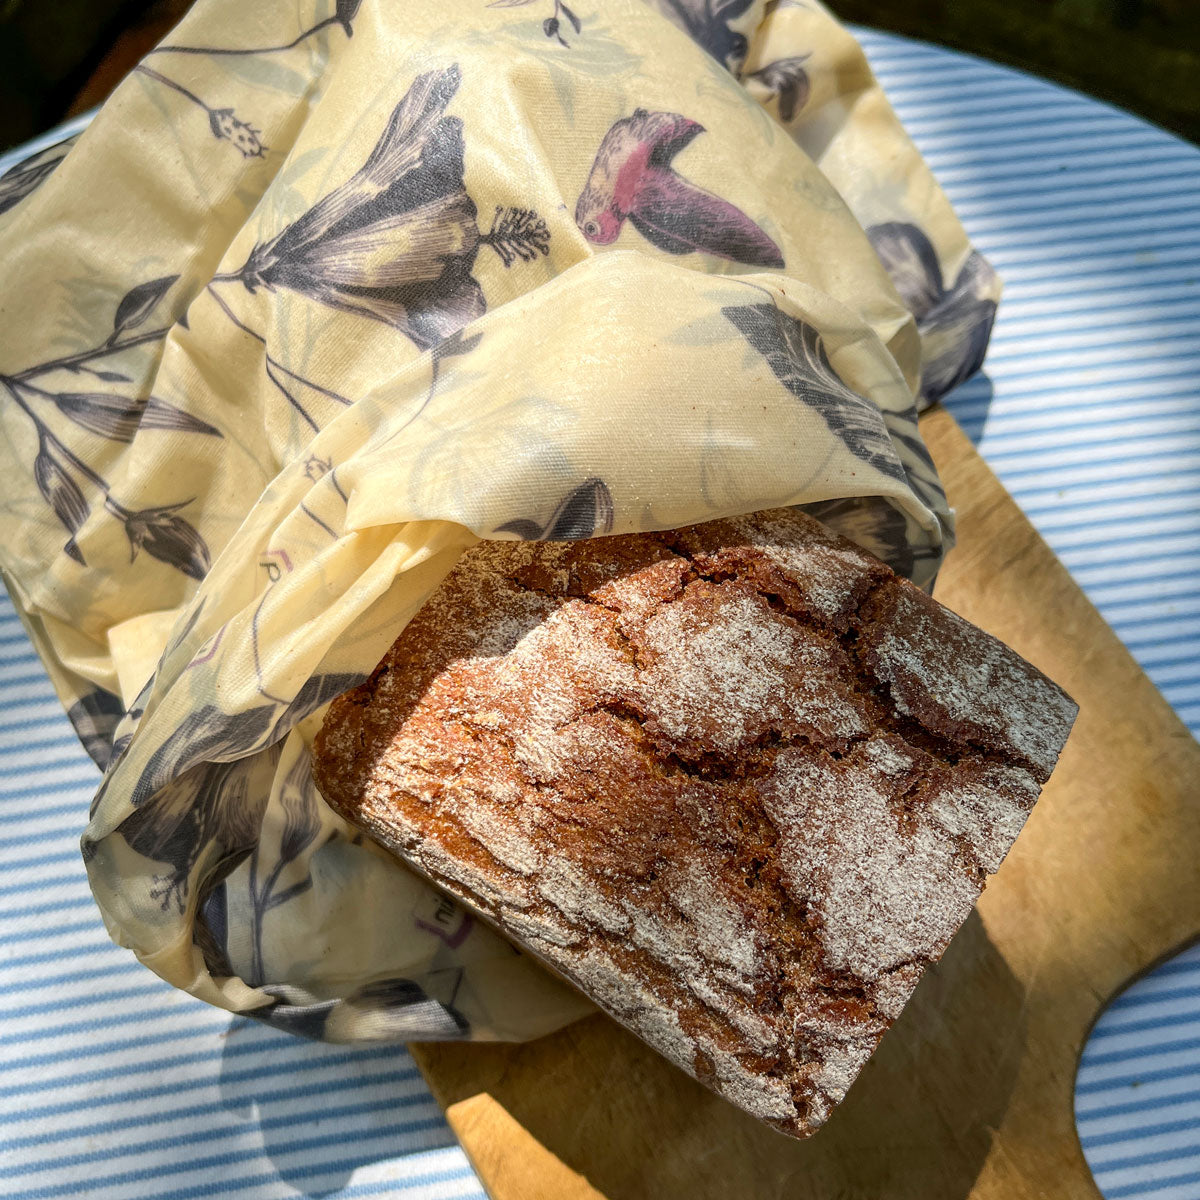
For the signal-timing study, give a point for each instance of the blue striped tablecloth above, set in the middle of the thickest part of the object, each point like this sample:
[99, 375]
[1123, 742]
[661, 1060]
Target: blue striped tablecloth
[112, 1085]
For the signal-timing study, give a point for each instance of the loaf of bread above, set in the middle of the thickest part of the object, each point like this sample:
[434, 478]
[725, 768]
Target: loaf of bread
[738, 783]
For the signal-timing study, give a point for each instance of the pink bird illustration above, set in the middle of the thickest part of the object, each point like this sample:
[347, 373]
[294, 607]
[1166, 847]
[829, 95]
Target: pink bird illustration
[632, 177]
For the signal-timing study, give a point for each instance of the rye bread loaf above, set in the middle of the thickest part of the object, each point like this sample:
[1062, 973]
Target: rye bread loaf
[738, 783]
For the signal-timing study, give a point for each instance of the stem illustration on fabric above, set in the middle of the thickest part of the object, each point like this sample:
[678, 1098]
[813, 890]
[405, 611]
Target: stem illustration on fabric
[552, 25]
[58, 469]
[301, 824]
[398, 240]
[632, 178]
[343, 15]
[224, 124]
[787, 80]
[955, 323]
[276, 372]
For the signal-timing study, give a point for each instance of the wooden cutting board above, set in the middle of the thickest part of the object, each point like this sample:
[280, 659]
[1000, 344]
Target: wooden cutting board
[971, 1092]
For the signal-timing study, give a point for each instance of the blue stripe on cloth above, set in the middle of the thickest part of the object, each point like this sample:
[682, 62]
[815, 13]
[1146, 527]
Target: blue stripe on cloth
[1111, 1029]
[1152, 1159]
[1090, 415]
[1096, 1113]
[328, 1113]
[1185, 1185]
[1138, 997]
[1086, 1085]
[1094, 1058]
[1141, 1132]
[163, 1115]
[190, 1083]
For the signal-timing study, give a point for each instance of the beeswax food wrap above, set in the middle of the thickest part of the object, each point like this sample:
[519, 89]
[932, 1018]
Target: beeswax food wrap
[326, 293]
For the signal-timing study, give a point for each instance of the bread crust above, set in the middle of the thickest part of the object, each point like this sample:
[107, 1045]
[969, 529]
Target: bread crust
[738, 783]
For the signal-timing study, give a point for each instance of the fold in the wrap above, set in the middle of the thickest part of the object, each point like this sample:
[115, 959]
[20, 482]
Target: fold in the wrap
[312, 306]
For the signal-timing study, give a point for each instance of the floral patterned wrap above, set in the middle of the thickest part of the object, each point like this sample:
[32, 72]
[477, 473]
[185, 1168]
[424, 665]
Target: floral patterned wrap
[329, 291]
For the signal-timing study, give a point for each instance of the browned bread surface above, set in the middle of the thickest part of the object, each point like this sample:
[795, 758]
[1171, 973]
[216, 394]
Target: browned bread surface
[738, 783]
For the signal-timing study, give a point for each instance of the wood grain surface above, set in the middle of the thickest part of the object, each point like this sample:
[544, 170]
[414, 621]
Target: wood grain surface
[971, 1092]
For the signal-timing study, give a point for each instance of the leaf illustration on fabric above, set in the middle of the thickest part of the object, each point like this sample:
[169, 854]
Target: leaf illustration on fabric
[62, 493]
[139, 302]
[315, 691]
[955, 333]
[95, 717]
[872, 523]
[209, 735]
[632, 178]
[210, 810]
[796, 354]
[583, 512]
[164, 535]
[205, 735]
[344, 13]
[386, 1010]
[955, 324]
[788, 80]
[58, 469]
[193, 796]
[552, 25]
[909, 258]
[398, 240]
[707, 23]
[903, 428]
[210, 931]
[120, 417]
[30, 173]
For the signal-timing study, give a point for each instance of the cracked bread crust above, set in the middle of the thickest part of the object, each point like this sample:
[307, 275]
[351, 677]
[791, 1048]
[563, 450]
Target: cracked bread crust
[738, 783]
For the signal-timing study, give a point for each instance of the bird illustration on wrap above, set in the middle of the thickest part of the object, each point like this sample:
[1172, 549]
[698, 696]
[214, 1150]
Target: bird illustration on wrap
[632, 179]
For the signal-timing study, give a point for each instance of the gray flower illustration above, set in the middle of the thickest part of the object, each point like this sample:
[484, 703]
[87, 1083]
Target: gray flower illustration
[955, 322]
[582, 513]
[708, 23]
[788, 80]
[164, 535]
[397, 241]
